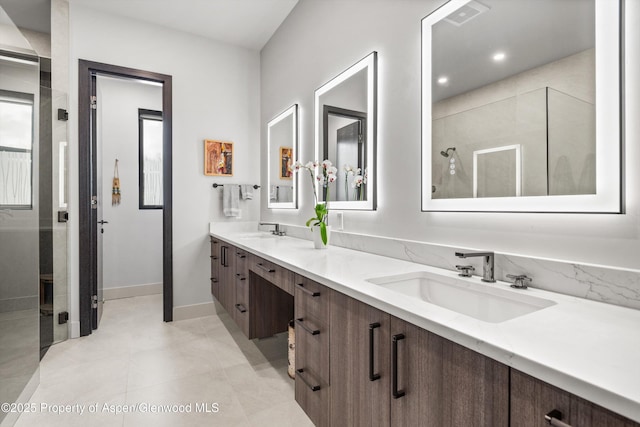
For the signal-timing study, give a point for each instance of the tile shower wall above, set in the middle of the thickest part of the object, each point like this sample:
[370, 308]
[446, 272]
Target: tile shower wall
[550, 126]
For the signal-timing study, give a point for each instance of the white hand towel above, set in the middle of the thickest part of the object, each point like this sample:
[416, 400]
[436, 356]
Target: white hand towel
[273, 193]
[231, 200]
[246, 192]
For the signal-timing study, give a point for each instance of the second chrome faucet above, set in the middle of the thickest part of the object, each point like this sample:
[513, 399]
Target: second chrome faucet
[487, 267]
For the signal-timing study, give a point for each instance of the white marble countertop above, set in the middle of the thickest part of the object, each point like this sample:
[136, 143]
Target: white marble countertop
[588, 348]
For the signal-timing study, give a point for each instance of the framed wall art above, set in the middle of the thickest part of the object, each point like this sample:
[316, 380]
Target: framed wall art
[286, 163]
[218, 158]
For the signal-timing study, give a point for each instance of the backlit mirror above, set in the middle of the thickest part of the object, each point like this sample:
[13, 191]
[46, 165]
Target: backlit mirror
[345, 129]
[521, 106]
[282, 141]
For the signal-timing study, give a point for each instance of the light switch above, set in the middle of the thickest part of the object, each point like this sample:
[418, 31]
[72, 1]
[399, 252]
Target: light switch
[339, 222]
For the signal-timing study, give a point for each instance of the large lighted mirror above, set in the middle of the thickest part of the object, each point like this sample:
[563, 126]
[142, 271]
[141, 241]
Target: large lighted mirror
[521, 106]
[282, 138]
[345, 129]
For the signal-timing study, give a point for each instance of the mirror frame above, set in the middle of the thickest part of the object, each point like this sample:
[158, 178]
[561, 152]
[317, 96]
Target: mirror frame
[291, 111]
[609, 126]
[370, 63]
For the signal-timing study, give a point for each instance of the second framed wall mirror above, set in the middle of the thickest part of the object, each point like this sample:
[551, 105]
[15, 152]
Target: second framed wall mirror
[282, 146]
[345, 133]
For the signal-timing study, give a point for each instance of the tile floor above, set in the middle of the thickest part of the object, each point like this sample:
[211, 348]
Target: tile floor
[135, 358]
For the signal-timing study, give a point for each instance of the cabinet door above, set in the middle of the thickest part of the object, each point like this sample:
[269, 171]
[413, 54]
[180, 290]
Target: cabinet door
[438, 383]
[227, 282]
[532, 399]
[360, 363]
[215, 268]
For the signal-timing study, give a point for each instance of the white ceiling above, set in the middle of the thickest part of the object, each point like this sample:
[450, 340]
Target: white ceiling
[246, 23]
[530, 32]
[34, 15]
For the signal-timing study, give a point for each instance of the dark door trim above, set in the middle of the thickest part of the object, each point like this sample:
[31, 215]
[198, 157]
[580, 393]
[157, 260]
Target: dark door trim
[87, 247]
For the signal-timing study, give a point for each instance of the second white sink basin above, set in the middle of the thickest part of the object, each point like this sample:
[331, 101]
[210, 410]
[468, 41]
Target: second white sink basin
[483, 302]
[256, 235]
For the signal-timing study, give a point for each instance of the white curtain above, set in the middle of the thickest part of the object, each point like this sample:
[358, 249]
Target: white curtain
[15, 178]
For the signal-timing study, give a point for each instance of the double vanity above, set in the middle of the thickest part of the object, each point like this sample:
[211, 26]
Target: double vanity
[381, 341]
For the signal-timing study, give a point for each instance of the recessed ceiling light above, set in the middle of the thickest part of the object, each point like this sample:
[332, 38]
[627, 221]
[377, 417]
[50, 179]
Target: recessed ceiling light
[500, 56]
[443, 80]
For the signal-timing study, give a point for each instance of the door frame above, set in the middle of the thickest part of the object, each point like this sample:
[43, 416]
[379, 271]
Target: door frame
[88, 230]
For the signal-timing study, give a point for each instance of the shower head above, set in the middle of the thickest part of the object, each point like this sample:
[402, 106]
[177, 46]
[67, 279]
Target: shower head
[446, 153]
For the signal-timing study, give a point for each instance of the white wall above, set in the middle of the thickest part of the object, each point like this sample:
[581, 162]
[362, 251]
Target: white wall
[132, 241]
[215, 95]
[320, 39]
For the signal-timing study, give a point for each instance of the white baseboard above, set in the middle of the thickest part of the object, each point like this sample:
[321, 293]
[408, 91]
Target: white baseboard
[132, 291]
[74, 329]
[192, 311]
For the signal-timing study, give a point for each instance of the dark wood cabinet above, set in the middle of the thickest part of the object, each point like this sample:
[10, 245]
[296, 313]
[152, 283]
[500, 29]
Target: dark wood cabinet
[312, 349]
[360, 363]
[215, 268]
[261, 307]
[532, 399]
[271, 308]
[273, 273]
[435, 382]
[241, 288]
[227, 278]
[360, 366]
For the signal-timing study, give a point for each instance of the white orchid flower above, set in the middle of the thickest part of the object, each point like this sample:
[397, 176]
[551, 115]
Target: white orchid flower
[331, 177]
[357, 181]
[297, 166]
[332, 170]
[310, 165]
[327, 164]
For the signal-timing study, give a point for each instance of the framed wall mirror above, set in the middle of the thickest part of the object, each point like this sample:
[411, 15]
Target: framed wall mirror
[521, 106]
[345, 132]
[282, 142]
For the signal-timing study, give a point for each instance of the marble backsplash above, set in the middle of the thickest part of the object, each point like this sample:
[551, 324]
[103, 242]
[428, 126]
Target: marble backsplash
[609, 285]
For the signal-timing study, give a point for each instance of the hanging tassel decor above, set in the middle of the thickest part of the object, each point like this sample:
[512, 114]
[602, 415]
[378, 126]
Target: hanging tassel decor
[115, 191]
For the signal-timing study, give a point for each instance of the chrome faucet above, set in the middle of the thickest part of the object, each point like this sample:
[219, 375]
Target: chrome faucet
[519, 280]
[487, 268]
[276, 231]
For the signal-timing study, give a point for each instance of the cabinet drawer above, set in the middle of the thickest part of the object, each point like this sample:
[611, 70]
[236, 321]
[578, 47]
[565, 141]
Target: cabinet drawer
[312, 344]
[312, 370]
[281, 277]
[311, 298]
[240, 262]
[532, 399]
[314, 401]
[241, 307]
[215, 288]
[215, 245]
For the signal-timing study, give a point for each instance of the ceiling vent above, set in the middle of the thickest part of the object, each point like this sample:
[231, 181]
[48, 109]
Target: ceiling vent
[466, 13]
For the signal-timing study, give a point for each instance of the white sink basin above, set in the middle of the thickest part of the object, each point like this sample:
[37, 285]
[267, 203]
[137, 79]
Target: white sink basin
[256, 235]
[483, 302]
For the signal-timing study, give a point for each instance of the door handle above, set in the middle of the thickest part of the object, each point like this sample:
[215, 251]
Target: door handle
[103, 222]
